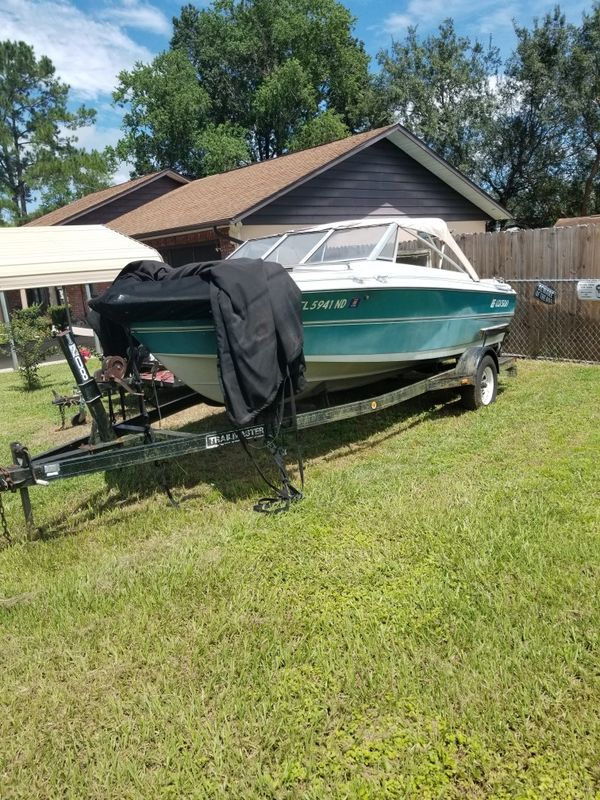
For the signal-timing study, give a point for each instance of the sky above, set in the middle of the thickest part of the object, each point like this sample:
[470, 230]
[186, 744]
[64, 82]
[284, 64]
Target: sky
[90, 41]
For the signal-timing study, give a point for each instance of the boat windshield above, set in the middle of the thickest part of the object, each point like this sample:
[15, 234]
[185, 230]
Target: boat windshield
[383, 242]
[348, 244]
[325, 245]
[295, 247]
[423, 249]
[255, 248]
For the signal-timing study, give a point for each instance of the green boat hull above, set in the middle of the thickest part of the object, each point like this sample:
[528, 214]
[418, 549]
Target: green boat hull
[350, 337]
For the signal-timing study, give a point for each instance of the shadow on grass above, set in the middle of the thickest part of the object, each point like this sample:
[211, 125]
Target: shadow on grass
[229, 470]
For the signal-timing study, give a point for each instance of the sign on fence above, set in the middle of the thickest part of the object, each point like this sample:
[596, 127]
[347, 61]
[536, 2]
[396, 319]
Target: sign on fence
[588, 289]
[545, 293]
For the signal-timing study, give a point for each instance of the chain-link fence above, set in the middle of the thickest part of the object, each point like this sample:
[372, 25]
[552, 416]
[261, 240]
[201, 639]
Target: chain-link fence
[566, 329]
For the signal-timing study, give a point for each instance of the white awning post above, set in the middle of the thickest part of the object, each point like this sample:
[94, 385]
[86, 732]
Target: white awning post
[67, 309]
[6, 317]
[88, 294]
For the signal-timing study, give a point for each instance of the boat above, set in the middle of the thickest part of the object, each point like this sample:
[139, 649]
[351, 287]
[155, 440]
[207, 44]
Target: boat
[379, 297]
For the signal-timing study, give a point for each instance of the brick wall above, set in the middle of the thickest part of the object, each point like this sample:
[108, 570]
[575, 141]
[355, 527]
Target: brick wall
[78, 300]
[207, 237]
[13, 299]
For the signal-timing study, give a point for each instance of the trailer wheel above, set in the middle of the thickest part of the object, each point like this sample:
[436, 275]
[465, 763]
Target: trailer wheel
[484, 392]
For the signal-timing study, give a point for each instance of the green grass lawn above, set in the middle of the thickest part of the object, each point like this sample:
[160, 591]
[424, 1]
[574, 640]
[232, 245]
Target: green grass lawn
[425, 624]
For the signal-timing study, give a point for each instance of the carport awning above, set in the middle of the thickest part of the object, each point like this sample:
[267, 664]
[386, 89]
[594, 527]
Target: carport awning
[65, 255]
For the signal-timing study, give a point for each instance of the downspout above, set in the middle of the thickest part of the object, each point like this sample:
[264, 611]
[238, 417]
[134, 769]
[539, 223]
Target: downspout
[227, 236]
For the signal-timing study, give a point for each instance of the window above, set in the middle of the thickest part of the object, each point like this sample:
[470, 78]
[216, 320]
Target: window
[422, 249]
[389, 248]
[178, 256]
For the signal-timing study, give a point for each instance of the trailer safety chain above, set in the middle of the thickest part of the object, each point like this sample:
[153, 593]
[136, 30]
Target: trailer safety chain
[6, 483]
[4, 523]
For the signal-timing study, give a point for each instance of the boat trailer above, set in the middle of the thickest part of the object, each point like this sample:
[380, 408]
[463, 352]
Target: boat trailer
[115, 445]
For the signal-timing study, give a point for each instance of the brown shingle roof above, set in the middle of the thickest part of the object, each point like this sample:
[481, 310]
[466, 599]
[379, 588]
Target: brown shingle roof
[227, 196]
[96, 199]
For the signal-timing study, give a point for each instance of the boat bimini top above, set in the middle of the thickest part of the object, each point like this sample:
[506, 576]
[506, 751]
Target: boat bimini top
[392, 239]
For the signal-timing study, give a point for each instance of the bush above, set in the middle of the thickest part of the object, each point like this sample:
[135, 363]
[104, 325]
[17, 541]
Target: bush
[58, 316]
[29, 328]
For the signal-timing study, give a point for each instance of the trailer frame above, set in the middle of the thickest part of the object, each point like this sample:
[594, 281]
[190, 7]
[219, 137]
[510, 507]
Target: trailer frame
[136, 441]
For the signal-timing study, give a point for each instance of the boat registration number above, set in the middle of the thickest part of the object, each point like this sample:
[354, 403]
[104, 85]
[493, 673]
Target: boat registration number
[499, 302]
[324, 305]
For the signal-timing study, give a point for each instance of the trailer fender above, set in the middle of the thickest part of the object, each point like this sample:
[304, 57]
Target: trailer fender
[469, 362]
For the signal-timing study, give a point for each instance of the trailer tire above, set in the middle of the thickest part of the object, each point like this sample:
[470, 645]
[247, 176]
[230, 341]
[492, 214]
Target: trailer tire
[485, 388]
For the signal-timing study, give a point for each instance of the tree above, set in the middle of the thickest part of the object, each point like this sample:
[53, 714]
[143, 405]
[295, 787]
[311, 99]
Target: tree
[443, 89]
[76, 173]
[166, 109]
[512, 127]
[583, 104]
[528, 154]
[283, 102]
[252, 75]
[36, 152]
[222, 147]
[324, 128]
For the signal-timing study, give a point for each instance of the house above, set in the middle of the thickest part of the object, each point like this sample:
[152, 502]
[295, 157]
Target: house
[382, 172]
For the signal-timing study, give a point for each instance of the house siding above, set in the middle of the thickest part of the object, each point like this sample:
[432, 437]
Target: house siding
[127, 202]
[380, 180]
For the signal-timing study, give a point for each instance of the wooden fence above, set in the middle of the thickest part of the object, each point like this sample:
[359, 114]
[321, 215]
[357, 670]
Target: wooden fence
[557, 257]
[541, 254]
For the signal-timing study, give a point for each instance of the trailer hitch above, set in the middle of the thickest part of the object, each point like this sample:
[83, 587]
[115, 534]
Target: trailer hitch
[6, 481]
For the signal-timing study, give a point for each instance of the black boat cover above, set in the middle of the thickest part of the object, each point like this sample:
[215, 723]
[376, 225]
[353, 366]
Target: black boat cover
[256, 308]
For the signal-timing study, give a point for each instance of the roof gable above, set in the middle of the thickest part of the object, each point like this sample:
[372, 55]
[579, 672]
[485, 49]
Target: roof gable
[377, 181]
[231, 195]
[95, 200]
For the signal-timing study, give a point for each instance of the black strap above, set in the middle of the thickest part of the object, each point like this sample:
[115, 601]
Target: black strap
[295, 427]
[287, 492]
